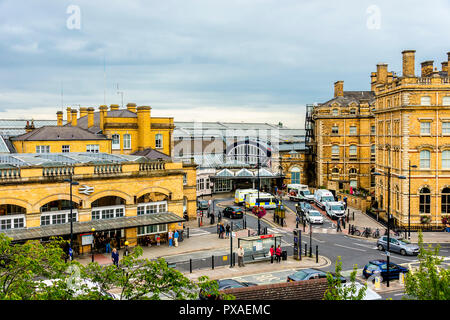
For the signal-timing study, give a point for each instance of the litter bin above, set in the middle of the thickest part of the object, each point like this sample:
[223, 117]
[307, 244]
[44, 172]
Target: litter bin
[284, 255]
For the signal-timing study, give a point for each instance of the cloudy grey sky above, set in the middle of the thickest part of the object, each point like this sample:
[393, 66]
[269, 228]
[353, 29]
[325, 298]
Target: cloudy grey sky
[209, 60]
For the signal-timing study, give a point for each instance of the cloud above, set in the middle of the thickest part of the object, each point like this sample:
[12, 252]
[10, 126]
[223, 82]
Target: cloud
[185, 57]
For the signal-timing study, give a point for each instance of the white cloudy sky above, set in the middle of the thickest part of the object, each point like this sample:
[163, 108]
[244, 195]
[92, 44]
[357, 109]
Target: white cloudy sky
[210, 60]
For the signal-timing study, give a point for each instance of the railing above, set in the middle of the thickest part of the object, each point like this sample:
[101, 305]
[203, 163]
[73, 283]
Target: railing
[107, 168]
[13, 173]
[57, 171]
[151, 166]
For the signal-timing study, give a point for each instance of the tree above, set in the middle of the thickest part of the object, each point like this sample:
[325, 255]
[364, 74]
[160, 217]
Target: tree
[21, 265]
[429, 281]
[37, 271]
[338, 291]
[138, 278]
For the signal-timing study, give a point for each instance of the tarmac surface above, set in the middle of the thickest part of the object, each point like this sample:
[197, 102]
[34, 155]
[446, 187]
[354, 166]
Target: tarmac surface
[204, 242]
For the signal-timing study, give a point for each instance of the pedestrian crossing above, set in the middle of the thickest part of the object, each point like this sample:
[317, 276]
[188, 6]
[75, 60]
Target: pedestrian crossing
[198, 232]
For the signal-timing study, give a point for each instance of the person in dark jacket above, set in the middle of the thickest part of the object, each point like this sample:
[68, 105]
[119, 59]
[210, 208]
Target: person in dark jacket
[338, 225]
[115, 257]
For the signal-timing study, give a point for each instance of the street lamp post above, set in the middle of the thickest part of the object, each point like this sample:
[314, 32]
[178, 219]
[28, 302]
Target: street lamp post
[388, 218]
[92, 243]
[72, 183]
[409, 199]
[259, 186]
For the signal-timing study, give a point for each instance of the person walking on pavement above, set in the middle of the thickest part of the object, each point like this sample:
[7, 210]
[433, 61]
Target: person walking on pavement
[272, 253]
[338, 225]
[227, 230]
[278, 253]
[345, 203]
[343, 222]
[175, 238]
[240, 253]
[115, 257]
[170, 236]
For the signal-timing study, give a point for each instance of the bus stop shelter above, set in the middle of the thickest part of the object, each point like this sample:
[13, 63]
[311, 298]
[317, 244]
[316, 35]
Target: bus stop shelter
[257, 248]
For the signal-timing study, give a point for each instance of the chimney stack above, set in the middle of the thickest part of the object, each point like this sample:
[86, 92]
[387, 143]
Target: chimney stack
[427, 68]
[339, 89]
[445, 66]
[74, 117]
[382, 73]
[114, 107]
[144, 125]
[69, 115]
[90, 117]
[409, 63]
[83, 112]
[103, 115]
[131, 107]
[448, 63]
[59, 118]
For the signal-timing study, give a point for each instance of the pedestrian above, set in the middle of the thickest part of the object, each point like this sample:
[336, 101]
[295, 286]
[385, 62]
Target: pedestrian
[219, 217]
[278, 253]
[170, 236]
[221, 231]
[115, 257]
[228, 230]
[126, 252]
[108, 244]
[272, 253]
[343, 222]
[338, 225]
[158, 240]
[240, 253]
[345, 203]
[447, 226]
[175, 238]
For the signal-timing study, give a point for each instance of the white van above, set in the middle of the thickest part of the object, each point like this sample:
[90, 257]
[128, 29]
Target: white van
[335, 209]
[299, 192]
[322, 196]
[239, 195]
[265, 200]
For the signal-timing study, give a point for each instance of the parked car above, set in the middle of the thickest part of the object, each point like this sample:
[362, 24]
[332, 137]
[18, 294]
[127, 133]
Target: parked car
[322, 196]
[314, 216]
[398, 245]
[224, 284]
[308, 274]
[303, 207]
[202, 205]
[233, 212]
[380, 266]
[335, 209]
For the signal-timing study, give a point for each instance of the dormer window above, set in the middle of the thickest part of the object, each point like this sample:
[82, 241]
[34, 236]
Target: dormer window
[335, 112]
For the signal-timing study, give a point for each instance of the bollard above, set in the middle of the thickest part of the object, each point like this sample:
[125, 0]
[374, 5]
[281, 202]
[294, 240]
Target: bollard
[249, 232]
[353, 216]
[212, 262]
[187, 232]
[190, 265]
[310, 253]
[306, 249]
[317, 254]
[377, 283]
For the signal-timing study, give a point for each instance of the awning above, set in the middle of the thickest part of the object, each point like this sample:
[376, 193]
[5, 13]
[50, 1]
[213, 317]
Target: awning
[246, 177]
[99, 225]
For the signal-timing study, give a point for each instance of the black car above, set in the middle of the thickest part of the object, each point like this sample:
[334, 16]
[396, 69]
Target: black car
[308, 274]
[233, 212]
[225, 284]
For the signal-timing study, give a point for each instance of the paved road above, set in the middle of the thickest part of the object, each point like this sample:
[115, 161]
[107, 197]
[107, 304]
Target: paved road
[353, 251]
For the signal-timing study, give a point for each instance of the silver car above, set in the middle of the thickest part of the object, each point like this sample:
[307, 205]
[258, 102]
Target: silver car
[398, 245]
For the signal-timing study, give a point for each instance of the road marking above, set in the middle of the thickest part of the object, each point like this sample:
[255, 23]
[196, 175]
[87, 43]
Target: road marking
[365, 246]
[339, 245]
